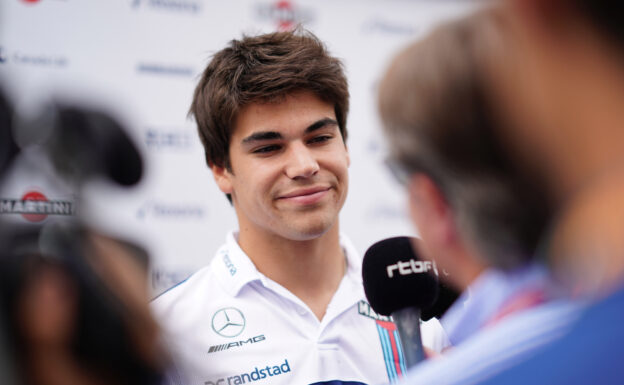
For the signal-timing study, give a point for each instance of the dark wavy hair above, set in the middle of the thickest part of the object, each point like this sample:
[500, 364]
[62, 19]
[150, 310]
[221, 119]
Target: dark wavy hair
[264, 68]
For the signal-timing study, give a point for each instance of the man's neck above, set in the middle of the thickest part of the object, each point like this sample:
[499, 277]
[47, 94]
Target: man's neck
[587, 245]
[312, 269]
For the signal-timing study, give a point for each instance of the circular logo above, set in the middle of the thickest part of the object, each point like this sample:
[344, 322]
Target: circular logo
[34, 196]
[228, 322]
[286, 15]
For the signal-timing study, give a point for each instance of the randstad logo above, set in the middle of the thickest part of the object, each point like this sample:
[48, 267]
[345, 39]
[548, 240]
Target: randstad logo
[255, 375]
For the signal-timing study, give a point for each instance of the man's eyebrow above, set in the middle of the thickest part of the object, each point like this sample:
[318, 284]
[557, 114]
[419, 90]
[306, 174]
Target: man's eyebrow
[273, 135]
[263, 135]
[320, 124]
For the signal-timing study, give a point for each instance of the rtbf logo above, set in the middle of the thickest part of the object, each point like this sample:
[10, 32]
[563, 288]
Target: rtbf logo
[411, 267]
[35, 207]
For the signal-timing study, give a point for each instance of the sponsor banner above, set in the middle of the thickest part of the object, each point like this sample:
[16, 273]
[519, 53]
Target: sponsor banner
[413, 266]
[256, 374]
[390, 341]
[392, 350]
[228, 322]
[164, 69]
[33, 59]
[169, 139]
[380, 26]
[191, 7]
[34, 206]
[229, 265]
[365, 309]
[235, 344]
[171, 211]
[284, 14]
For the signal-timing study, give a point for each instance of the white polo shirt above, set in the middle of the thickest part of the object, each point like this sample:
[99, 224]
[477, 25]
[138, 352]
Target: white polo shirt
[230, 324]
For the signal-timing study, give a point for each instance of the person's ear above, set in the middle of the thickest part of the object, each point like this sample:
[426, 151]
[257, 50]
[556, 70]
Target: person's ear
[223, 177]
[430, 210]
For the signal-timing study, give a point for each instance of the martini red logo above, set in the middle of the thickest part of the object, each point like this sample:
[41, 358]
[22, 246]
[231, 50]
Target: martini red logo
[30, 1]
[34, 206]
[285, 14]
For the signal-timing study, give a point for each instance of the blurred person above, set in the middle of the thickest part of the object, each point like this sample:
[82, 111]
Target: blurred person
[282, 301]
[8, 148]
[73, 301]
[477, 217]
[560, 82]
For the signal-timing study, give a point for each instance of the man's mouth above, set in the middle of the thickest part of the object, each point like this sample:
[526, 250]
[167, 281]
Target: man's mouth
[308, 195]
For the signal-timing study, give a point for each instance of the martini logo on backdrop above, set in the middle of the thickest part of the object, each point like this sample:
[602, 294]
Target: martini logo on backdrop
[284, 14]
[180, 6]
[3, 56]
[34, 206]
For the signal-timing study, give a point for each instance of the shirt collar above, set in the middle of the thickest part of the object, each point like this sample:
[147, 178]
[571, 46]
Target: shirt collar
[235, 269]
[486, 295]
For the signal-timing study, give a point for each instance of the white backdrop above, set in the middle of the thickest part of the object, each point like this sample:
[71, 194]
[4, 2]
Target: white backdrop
[140, 59]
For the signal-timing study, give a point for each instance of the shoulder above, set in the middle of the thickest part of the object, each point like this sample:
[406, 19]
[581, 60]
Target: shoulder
[186, 293]
[499, 347]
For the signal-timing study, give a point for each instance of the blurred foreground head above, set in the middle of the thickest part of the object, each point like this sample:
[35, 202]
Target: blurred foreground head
[470, 204]
[74, 305]
[73, 302]
[559, 79]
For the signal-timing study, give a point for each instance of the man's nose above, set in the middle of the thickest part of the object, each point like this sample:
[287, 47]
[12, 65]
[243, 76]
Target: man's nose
[301, 162]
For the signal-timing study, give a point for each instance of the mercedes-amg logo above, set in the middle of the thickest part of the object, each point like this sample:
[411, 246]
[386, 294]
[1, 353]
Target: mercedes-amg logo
[228, 322]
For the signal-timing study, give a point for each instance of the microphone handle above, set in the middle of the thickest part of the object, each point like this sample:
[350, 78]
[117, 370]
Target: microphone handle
[407, 321]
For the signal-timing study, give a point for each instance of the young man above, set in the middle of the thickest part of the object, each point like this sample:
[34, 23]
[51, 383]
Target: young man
[477, 218]
[282, 301]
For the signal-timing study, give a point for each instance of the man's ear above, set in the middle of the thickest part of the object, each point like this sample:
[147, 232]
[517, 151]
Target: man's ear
[223, 177]
[430, 210]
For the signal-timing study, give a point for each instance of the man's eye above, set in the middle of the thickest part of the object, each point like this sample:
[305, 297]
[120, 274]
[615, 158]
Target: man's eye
[266, 149]
[320, 139]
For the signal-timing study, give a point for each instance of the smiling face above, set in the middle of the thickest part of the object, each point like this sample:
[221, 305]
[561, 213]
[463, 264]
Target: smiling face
[289, 164]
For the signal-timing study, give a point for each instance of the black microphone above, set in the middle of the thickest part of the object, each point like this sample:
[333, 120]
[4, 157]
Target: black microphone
[447, 296]
[398, 284]
[85, 143]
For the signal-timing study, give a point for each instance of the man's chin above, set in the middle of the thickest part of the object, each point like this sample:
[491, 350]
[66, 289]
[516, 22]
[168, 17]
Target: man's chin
[309, 231]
